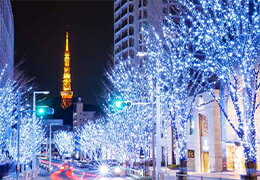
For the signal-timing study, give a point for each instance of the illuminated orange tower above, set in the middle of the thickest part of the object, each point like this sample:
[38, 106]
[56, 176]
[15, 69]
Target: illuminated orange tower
[66, 93]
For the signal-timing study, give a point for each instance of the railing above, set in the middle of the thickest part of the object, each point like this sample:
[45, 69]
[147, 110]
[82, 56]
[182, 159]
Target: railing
[135, 173]
[26, 175]
[10, 177]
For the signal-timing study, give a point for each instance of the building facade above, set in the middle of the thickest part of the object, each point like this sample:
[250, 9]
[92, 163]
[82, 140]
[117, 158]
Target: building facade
[129, 17]
[212, 144]
[6, 39]
[83, 113]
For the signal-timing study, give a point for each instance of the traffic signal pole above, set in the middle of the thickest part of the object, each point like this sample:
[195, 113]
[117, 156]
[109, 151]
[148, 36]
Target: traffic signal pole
[33, 130]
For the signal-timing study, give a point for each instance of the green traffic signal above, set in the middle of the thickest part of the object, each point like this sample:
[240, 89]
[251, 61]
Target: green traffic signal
[41, 111]
[118, 104]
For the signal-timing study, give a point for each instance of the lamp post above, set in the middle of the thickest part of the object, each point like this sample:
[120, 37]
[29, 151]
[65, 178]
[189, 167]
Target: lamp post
[33, 128]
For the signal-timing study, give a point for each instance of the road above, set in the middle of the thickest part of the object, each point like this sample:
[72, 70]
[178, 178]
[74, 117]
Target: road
[74, 173]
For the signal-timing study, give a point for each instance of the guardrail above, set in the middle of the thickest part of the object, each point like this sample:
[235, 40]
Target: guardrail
[136, 173]
[10, 177]
[26, 175]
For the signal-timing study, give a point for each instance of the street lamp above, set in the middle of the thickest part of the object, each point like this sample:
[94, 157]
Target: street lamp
[33, 128]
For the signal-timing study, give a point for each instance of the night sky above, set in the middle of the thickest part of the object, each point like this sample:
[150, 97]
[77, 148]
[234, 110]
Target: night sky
[40, 42]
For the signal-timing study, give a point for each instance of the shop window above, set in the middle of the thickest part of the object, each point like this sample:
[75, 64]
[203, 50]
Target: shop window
[191, 153]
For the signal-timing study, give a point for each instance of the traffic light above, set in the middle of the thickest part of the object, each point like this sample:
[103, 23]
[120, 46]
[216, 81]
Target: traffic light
[44, 110]
[118, 104]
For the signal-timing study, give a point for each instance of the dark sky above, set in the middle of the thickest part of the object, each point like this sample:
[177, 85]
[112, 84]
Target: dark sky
[40, 42]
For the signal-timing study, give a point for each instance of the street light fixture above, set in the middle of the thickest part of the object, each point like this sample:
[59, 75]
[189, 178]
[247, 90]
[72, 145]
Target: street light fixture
[33, 128]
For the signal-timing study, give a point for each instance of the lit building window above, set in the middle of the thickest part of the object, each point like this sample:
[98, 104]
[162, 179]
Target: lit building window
[192, 125]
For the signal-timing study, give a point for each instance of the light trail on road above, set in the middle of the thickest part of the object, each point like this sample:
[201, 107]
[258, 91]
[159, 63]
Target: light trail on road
[69, 174]
[55, 175]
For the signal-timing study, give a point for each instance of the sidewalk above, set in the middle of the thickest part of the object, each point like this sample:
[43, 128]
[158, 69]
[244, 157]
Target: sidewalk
[171, 175]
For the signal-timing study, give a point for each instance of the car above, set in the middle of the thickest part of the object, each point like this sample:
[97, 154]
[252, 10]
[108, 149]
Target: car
[110, 167]
[67, 159]
[83, 165]
[65, 167]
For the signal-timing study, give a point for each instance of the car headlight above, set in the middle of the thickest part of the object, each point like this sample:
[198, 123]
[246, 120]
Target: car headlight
[103, 170]
[117, 170]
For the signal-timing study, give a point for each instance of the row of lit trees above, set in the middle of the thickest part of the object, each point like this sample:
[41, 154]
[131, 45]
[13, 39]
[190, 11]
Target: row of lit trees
[15, 114]
[211, 43]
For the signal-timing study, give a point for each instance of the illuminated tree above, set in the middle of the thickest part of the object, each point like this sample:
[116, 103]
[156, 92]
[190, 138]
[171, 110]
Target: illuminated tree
[178, 72]
[131, 128]
[92, 139]
[9, 119]
[227, 33]
[8, 113]
[26, 139]
[64, 142]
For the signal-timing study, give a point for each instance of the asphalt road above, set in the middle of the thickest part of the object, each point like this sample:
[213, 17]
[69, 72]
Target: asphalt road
[74, 173]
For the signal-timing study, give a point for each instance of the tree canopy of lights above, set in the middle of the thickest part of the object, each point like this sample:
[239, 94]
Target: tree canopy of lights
[179, 74]
[92, 139]
[64, 142]
[132, 127]
[9, 119]
[227, 32]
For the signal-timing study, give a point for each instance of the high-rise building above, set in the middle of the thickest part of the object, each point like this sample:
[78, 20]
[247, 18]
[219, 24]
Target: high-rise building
[66, 93]
[6, 39]
[129, 17]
